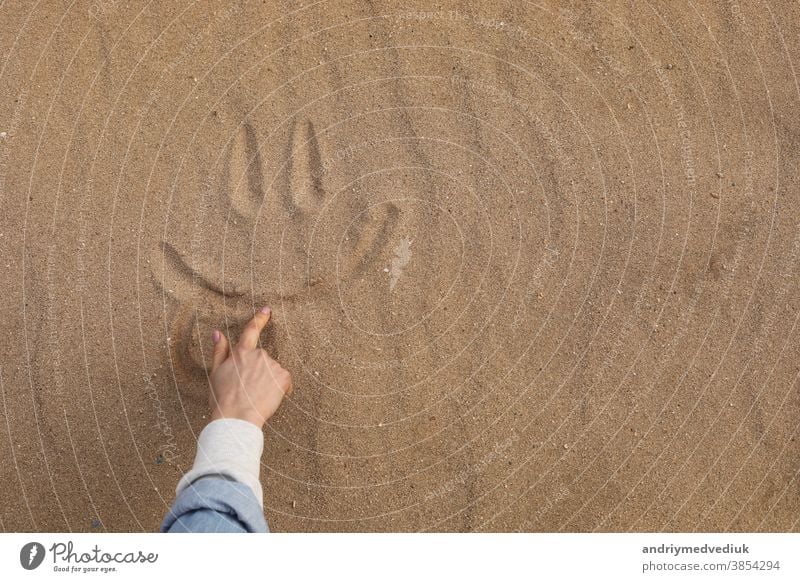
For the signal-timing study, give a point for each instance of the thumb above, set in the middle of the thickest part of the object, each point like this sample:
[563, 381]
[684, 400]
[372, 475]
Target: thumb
[221, 349]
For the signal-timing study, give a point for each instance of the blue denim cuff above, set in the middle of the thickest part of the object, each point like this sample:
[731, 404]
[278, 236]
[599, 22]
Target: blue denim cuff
[215, 504]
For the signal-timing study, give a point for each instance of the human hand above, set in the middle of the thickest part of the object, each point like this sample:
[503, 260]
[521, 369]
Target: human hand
[246, 383]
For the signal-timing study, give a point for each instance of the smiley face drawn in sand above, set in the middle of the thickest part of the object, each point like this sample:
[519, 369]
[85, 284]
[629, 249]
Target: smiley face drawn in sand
[271, 223]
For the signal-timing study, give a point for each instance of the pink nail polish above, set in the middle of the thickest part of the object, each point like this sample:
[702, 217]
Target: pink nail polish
[215, 336]
[266, 310]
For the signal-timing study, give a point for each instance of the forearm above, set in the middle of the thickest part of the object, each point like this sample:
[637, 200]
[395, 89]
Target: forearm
[222, 491]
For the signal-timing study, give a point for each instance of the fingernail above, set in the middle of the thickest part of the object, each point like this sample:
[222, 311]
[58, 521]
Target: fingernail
[215, 336]
[266, 310]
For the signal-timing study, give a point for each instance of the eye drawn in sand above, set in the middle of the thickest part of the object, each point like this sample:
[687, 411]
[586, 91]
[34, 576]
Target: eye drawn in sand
[211, 295]
[244, 175]
[303, 190]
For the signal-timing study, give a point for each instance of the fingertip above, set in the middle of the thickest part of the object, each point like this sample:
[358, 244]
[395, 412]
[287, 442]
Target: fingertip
[248, 340]
[216, 336]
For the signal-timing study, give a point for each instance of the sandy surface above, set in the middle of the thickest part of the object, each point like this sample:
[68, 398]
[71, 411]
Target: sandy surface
[533, 268]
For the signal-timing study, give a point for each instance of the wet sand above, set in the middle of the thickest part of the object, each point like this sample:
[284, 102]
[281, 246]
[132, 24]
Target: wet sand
[534, 267]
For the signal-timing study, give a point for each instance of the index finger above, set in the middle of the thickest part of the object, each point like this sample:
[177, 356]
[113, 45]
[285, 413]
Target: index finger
[249, 338]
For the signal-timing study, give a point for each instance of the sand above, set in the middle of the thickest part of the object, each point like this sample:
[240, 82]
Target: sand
[533, 266]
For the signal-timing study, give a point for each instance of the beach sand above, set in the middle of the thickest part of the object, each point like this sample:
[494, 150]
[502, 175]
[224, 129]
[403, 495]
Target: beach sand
[533, 267]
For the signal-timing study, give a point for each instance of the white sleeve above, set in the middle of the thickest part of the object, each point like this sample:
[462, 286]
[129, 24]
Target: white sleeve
[229, 447]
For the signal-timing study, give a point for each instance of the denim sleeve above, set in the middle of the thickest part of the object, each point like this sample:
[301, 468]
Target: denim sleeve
[215, 504]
